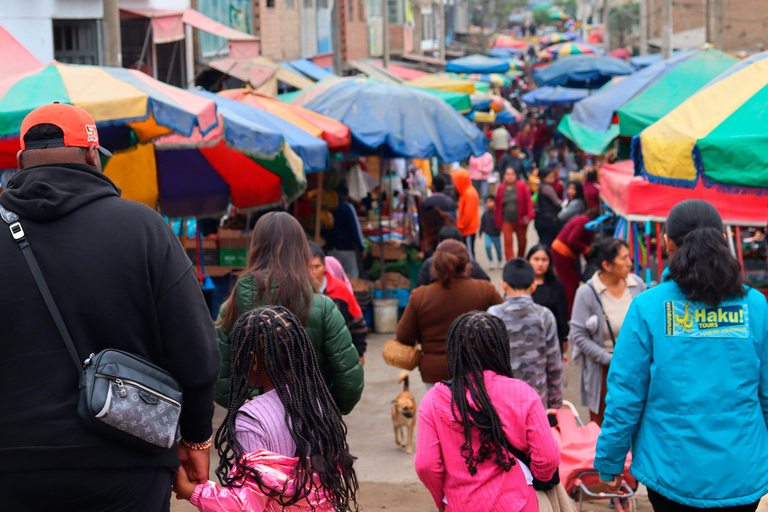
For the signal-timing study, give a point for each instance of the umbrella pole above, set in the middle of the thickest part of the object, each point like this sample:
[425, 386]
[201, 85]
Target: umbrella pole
[381, 222]
[319, 207]
[659, 255]
[739, 250]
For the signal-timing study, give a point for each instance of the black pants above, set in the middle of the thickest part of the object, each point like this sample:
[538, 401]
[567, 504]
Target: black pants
[92, 490]
[548, 229]
[662, 504]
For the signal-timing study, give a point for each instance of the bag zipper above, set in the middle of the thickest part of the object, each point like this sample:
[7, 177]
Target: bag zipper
[120, 387]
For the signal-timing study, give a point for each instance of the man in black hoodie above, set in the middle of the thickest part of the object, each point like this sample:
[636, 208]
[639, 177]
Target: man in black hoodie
[121, 280]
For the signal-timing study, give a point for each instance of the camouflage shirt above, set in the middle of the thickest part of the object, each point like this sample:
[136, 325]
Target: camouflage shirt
[534, 347]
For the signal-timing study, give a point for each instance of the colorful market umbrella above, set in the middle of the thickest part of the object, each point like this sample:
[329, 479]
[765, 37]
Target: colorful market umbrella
[502, 41]
[582, 71]
[557, 37]
[496, 79]
[477, 64]
[717, 135]
[570, 48]
[551, 96]
[399, 121]
[503, 53]
[335, 134]
[127, 105]
[620, 53]
[641, 98]
[443, 83]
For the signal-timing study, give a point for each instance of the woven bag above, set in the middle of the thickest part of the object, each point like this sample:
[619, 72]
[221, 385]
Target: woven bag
[401, 356]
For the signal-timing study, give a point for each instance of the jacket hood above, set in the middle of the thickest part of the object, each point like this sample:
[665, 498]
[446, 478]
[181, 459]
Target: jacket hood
[461, 180]
[46, 193]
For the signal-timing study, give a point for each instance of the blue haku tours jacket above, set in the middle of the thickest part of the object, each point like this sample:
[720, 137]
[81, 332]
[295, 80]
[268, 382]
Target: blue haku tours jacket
[688, 393]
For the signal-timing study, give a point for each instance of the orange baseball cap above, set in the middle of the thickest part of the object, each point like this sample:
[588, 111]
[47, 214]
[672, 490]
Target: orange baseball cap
[78, 126]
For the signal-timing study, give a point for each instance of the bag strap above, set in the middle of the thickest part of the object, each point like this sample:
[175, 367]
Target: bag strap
[605, 316]
[17, 232]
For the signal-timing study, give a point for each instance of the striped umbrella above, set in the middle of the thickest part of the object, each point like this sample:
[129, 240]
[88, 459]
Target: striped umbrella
[570, 48]
[717, 135]
[502, 41]
[173, 149]
[331, 131]
[557, 37]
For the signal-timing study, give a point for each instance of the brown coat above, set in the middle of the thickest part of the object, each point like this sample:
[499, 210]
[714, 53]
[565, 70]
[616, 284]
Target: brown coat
[430, 313]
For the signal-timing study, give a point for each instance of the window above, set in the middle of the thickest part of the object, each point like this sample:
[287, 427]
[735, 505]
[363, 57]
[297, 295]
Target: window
[289, 4]
[232, 13]
[393, 9]
[76, 41]
[309, 4]
[351, 10]
[270, 3]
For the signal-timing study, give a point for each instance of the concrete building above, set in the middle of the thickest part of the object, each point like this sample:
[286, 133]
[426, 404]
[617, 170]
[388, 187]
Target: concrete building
[60, 30]
[730, 25]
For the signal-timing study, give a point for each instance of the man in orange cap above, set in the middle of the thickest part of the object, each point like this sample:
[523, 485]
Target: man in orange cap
[121, 280]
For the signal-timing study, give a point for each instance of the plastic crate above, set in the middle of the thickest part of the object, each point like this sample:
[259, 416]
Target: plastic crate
[402, 295]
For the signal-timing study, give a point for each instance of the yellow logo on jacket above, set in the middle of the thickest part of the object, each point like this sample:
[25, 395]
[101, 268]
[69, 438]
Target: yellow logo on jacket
[729, 320]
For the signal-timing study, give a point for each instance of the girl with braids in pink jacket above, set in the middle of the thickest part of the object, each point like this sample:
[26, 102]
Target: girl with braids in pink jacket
[286, 449]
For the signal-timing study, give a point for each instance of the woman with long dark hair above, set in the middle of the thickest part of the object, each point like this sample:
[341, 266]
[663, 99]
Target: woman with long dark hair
[278, 273]
[432, 308]
[598, 317]
[550, 291]
[688, 385]
[286, 449]
[574, 203]
[475, 429]
[548, 206]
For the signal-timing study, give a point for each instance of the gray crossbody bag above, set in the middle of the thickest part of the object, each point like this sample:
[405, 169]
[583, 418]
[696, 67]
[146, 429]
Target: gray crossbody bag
[122, 394]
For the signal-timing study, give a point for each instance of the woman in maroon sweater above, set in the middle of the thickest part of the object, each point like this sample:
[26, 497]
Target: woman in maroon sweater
[573, 241]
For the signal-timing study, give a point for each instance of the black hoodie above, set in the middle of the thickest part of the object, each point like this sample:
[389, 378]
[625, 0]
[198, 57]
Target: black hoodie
[121, 280]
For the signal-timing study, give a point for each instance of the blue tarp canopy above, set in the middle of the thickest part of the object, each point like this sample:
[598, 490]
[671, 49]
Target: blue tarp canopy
[502, 52]
[312, 150]
[596, 112]
[481, 103]
[550, 96]
[310, 69]
[477, 64]
[582, 71]
[399, 121]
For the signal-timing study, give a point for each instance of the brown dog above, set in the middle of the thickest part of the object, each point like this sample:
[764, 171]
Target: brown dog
[404, 414]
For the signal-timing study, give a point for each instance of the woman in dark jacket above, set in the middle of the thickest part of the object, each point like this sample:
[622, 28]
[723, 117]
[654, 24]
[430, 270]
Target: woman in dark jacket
[278, 274]
[548, 207]
[550, 291]
[432, 309]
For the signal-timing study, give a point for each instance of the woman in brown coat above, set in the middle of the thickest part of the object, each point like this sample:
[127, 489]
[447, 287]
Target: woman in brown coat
[433, 308]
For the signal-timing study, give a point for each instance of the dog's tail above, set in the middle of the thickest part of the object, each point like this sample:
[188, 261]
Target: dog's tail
[405, 379]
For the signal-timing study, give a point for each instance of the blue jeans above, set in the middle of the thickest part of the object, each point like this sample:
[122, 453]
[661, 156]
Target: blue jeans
[482, 189]
[496, 241]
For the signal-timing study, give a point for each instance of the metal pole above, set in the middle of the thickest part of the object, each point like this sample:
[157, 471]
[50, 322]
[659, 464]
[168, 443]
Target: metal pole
[154, 59]
[441, 32]
[111, 31]
[643, 27]
[385, 31]
[336, 37]
[666, 29]
[189, 54]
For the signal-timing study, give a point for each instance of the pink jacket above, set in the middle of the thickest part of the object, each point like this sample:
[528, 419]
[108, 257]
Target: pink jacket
[275, 470]
[442, 468]
[480, 168]
[333, 266]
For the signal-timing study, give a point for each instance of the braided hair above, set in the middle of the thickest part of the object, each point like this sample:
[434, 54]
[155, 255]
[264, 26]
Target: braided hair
[272, 338]
[478, 341]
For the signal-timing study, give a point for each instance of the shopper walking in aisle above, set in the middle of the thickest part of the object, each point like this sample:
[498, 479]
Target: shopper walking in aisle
[689, 378]
[492, 233]
[574, 203]
[514, 210]
[120, 280]
[598, 316]
[343, 297]
[278, 273]
[499, 142]
[550, 291]
[427, 271]
[433, 308]
[533, 344]
[548, 206]
[477, 430]
[516, 160]
[468, 220]
[571, 243]
[276, 451]
[480, 169]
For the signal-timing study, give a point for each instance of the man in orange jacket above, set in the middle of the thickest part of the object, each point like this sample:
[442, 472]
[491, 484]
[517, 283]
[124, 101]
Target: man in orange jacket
[468, 217]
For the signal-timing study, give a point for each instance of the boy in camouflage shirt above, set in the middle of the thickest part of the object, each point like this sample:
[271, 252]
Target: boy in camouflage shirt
[532, 329]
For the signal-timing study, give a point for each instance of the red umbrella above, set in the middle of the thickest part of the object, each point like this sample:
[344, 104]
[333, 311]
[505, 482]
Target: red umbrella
[620, 53]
